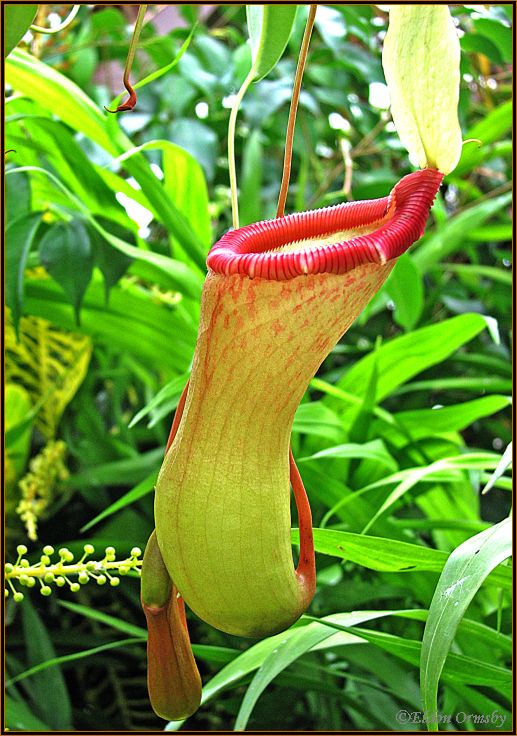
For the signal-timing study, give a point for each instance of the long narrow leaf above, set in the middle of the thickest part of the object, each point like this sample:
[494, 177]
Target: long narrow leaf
[462, 576]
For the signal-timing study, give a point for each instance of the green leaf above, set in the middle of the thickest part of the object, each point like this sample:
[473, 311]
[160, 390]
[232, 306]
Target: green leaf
[269, 27]
[409, 302]
[491, 129]
[17, 19]
[388, 555]
[168, 396]
[422, 423]
[64, 659]
[185, 184]
[151, 323]
[404, 357]
[104, 618]
[451, 238]
[376, 553]
[66, 252]
[458, 668]
[462, 576]
[499, 34]
[421, 60]
[374, 450]
[50, 696]
[409, 478]
[504, 463]
[20, 717]
[119, 472]
[139, 491]
[17, 196]
[317, 419]
[286, 652]
[111, 261]
[59, 95]
[19, 236]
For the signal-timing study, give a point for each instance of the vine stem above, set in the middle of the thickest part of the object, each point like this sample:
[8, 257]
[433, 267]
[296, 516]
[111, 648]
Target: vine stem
[61, 27]
[131, 101]
[231, 146]
[288, 154]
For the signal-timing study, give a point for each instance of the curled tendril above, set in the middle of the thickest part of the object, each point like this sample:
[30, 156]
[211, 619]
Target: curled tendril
[129, 103]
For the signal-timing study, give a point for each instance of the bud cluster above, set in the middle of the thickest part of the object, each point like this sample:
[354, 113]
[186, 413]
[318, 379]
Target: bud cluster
[67, 571]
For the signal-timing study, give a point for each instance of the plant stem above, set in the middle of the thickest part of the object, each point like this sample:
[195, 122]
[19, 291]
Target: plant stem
[131, 102]
[231, 146]
[61, 27]
[282, 197]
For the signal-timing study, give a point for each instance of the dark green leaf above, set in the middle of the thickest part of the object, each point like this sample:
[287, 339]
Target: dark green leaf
[66, 252]
[17, 19]
[19, 236]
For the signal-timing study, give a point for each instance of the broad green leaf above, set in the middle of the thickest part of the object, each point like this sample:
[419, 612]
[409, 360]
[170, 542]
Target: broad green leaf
[49, 693]
[19, 236]
[269, 27]
[139, 491]
[462, 576]
[17, 196]
[185, 184]
[112, 263]
[404, 357]
[66, 252]
[59, 95]
[17, 19]
[421, 60]
[151, 324]
[17, 405]
[448, 240]
[387, 555]
[166, 272]
[441, 420]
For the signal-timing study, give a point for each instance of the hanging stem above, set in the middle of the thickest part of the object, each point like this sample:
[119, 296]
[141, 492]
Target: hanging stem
[282, 197]
[61, 27]
[131, 101]
[231, 146]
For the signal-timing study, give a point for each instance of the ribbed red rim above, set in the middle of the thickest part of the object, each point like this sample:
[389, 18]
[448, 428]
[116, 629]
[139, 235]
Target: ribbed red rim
[247, 251]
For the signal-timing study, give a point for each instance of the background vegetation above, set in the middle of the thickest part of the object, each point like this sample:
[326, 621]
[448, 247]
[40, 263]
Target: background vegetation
[109, 219]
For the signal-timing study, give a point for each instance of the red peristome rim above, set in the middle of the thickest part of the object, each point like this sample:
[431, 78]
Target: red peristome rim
[246, 251]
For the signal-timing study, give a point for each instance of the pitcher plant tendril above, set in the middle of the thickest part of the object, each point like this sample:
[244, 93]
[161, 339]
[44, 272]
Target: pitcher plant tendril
[130, 103]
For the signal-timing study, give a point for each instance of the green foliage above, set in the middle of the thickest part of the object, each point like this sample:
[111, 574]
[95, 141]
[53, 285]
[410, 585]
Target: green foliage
[397, 436]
